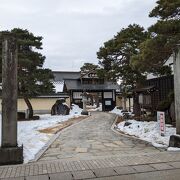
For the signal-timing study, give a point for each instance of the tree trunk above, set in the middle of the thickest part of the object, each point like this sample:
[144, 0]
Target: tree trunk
[129, 104]
[136, 105]
[28, 103]
[91, 99]
[125, 108]
[172, 113]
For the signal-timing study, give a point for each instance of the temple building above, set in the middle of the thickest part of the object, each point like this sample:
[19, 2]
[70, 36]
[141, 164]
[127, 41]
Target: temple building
[98, 90]
[70, 85]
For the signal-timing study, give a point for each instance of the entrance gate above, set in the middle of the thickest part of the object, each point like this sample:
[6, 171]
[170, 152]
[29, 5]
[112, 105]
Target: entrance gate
[107, 98]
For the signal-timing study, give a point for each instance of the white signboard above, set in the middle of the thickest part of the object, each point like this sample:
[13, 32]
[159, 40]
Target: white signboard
[77, 95]
[108, 103]
[107, 94]
[161, 122]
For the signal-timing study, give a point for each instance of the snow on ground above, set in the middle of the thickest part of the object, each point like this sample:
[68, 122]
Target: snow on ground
[32, 139]
[148, 131]
[119, 112]
[94, 108]
[173, 149]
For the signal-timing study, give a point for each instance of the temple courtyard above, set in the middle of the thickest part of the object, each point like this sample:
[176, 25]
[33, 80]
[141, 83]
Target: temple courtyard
[91, 149]
[94, 138]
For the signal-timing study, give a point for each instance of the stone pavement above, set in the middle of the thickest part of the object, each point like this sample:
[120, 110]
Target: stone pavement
[93, 138]
[91, 150]
[164, 165]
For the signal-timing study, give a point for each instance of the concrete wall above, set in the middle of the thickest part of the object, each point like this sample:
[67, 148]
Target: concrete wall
[40, 105]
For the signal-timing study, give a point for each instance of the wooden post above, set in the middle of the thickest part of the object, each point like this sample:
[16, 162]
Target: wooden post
[10, 153]
[177, 88]
[129, 104]
[125, 101]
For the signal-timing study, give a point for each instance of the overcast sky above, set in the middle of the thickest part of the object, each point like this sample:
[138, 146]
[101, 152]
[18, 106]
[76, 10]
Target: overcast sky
[73, 30]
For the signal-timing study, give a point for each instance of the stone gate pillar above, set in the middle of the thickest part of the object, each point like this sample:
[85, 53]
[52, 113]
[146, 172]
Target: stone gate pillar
[177, 88]
[175, 139]
[10, 153]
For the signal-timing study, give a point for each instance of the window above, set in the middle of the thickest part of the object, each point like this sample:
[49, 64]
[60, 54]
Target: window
[92, 81]
[107, 94]
[108, 103]
[144, 99]
[77, 95]
[140, 98]
[87, 81]
[147, 99]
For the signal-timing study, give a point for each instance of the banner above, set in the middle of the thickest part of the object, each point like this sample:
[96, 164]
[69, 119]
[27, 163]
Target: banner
[161, 122]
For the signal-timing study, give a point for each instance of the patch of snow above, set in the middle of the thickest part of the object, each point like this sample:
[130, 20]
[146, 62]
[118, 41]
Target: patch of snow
[120, 112]
[75, 110]
[33, 141]
[148, 131]
[117, 111]
[173, 149]
[94, 108]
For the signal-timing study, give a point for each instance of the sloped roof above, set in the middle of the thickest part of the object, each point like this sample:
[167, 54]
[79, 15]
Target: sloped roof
[72, 82]
[62, 75]
[86, 73]
[76, 85]
[144, 89]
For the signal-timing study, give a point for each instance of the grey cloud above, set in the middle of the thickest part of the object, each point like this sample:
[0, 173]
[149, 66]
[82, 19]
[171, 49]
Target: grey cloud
[73, 30]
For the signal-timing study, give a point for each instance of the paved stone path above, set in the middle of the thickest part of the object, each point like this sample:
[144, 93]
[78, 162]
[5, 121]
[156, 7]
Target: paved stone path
[97, 153]
[93, 138]
[164, 165]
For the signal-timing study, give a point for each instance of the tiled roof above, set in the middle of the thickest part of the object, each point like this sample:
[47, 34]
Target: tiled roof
[62, 75]
[76, 85]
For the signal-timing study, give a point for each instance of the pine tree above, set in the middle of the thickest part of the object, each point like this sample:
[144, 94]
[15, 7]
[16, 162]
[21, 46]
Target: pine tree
[163, 39]
[33, 79]
[115, 55]
[88, 67]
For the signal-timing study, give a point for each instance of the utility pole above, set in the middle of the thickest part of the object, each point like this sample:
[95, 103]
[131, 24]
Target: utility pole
[10, 153]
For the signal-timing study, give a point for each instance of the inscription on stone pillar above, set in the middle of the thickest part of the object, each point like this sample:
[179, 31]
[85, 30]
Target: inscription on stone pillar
[10, 153]
[9, 92]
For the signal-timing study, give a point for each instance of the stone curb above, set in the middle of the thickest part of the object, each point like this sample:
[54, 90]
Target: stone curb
[52, 139]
